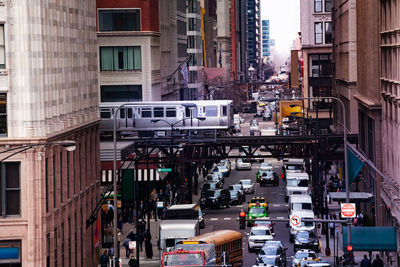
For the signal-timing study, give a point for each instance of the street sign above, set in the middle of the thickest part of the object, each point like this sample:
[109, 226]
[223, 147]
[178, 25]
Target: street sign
[164, 170]
[132, 244]
[348, 210]
[295, 220]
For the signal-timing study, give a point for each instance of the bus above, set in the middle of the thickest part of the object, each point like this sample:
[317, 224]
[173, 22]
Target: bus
[190, 253]
[227, 241]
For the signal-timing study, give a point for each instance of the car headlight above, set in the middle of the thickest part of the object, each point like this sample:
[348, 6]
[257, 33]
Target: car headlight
[297, 242]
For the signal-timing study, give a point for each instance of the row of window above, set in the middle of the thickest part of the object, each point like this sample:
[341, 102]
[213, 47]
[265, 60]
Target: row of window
[323, 34]
[2, 48]
[322, 6]
[121, 93]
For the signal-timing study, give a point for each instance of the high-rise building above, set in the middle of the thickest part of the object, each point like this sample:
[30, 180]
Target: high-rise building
[253, 37]
[316, 48]
[48, 93]
[265, 39]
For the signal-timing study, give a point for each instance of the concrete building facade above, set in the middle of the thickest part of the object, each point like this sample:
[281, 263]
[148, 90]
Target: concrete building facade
[49, 93]
[316, 49]
[128, 35]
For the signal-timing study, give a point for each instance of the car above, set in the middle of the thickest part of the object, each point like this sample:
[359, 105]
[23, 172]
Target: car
[235, 197]
[270, 261]
[258, 114]
[260, 200]
[225, 162]
[273, 250]
[306, 240]
[266, 166]
[254, 126]
[256, 212]
[210, 178]
[239, 188]
[257, 237]
[210, 186]
[269, 224]
[303, 254]
[222, 169]
[248, 186]
[267, 177]
[215, 199]
[257, 158]
[236, 128]
[246, 159]
[241, 165]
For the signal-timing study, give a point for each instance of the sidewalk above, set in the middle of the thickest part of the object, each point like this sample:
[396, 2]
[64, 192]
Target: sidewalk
[155, 261]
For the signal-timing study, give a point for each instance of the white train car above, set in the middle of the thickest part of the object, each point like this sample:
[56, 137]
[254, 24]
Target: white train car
[166, 115]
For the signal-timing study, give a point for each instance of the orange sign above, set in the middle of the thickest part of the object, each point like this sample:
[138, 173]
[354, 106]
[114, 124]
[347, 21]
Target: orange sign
[348, 210]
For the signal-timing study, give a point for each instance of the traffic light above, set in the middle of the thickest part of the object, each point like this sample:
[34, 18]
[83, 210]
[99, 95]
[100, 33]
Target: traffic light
[242, 219]
[349, 248]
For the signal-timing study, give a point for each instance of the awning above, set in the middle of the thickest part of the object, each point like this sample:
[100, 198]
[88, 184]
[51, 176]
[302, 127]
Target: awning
[354, 196]
[372, 238]
[107, 175]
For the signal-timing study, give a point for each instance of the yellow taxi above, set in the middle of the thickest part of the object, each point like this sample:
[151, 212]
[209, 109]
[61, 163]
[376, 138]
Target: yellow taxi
[258, 201]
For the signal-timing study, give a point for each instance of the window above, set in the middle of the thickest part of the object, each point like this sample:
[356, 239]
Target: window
[10, 193]
[68, 181]
[3, 114]
[2, 48]
[116, 58]
[119, 20]
[211, 111]
[121, 93]
[328, 33]
[48, 250]
[317, 6]
[224, 111]
[171, 112]
[318, 32]
[62, 245]
[158, 112]
[321, 65]
[146, 112]
[55, 247]
[328, 5]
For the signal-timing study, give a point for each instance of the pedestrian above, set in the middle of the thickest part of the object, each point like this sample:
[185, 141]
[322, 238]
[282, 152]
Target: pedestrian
[127, 250]
[119, 238]
[149, 249]
[133, 262]
[365, 262]
[147, 235]
[377, 262]
[139, 240]
[142, 226]
[130, 216]
[131, 236]
[104, 259]
[110, 213]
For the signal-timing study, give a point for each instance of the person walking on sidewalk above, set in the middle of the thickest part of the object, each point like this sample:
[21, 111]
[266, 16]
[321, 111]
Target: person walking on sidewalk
[104, 259]
[365, 262]
[133, 262]
[149, 248]
[377, 262]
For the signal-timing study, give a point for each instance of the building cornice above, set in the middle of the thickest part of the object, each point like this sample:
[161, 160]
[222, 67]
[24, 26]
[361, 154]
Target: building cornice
[368, 103]
[128, 33]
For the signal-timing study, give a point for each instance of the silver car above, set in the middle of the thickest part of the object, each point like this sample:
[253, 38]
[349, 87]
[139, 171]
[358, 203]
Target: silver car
[248, 186]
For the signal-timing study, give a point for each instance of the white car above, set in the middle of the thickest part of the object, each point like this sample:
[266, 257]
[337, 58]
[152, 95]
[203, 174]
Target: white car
[266, 166]
[248, 186]
[303, 254]
[258, 235]
[240, 165]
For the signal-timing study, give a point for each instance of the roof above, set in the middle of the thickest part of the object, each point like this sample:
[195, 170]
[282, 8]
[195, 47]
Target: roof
[183, 206]
[297, 175]
[356, 196]
[217, 236]
[180, 225]
[300, 198]
[303, 213]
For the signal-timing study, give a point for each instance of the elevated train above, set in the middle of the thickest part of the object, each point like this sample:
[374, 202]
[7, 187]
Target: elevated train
[166, 115]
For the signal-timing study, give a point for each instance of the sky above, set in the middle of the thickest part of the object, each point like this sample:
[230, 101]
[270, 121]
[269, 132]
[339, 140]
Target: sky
[284, 16]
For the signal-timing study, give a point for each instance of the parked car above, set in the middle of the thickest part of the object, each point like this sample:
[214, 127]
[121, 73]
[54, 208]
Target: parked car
[214, 179]
[306, 240]
[222, 169]
[240, 165]
[248, 186]
[225, 162]
[235, 197]
[267, 177]
[239, 188]
[215, 199]
[257, 237]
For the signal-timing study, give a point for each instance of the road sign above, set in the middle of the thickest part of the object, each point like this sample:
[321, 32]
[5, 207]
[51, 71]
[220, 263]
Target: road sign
[164, 170]
[295, 220]
[348, 210]
[132, 244]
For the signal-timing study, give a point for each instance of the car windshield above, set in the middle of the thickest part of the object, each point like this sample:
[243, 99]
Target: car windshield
[246, 182]
[239, 160]
[235, 187]
[233, 193]
[183, 259]
[221, 168]
[305, 235]
[257, 200]
[297, 183]
[301, 255]
[212, 178]
[266, 174]
[265, 165]
[257, 211]
[270, 250]
[268, 260]
[260, 232]
[294, 167]
[212, 193]
[307, 224]
[301, 206]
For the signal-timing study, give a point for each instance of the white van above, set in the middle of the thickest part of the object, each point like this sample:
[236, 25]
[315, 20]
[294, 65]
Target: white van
[297, 184]
[173, 231]
[292, 165]
[306, 226]
[299, 203]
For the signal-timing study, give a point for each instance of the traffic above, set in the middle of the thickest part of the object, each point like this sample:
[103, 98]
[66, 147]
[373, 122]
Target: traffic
[243, 196]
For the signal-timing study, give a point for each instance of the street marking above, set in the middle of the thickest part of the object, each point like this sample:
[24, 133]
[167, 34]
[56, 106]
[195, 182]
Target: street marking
[227, 219]
[239, 206]
[276, 205]
[280, 218]
[214, 219]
